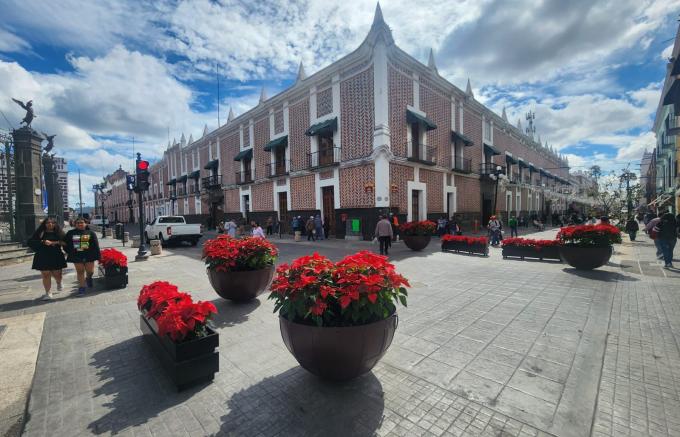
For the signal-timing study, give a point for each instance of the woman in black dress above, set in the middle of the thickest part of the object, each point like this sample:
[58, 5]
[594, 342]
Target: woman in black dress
[47, 242]
[82, 249]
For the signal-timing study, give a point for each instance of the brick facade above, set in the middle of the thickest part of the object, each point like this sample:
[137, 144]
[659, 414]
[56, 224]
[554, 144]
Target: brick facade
[357, 115]
[434, 181]
[260, 157]
[401, 95]
[302, 191]
[352, 186]
[399, 177]
[298, 142]
[262, 197]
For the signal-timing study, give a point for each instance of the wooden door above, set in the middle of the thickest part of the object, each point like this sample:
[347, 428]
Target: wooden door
[329, 208]
[280, 159]
[325, 150]
[415, 205]
[284, 220]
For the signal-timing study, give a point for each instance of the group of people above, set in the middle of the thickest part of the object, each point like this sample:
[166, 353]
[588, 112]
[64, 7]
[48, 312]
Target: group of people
[53, 249]
[664, 229]
[314, 227]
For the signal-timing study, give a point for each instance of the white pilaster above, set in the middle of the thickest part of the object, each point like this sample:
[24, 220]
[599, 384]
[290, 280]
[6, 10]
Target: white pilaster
[416, 90]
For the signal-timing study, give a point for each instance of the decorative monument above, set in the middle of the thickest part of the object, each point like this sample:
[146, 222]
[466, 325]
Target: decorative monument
[55, 203]
[27, 173]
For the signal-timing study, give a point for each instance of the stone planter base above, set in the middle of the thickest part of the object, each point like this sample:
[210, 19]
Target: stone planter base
[461, 247]
[338, 353]
[115, 277]
[586, 258]
[545, 253]
[416, 242]
[241, 286]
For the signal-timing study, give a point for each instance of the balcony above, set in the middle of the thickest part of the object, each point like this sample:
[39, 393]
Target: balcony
[173, 194]
[514, 178]
[423, 154]
[460, 164]
[489, 168]
[181, 191]
[193, 189]
[212, 182]
[244, 177]
[325, 157]
[673, 125]
[279, 168]
[527, 180]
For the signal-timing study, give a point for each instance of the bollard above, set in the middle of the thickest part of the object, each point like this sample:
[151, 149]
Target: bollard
[109, 233]
[135, 241]
[156, 248]
[126, 237]
[297, 235]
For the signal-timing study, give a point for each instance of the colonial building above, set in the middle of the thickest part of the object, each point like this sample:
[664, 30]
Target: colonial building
[377, 131]
[62, 179]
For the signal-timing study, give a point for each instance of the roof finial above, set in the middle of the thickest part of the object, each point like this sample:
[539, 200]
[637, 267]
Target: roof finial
[231, 115]
[263, 95]
[205, 129]
[519, 125]
[378, 17]
[430, 61]
[301, 73]
[504, 115]
[468, 89]
[190, 140]
[183, 140]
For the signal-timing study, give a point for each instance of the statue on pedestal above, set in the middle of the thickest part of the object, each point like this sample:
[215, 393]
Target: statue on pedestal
[50, 142]
[28, 106]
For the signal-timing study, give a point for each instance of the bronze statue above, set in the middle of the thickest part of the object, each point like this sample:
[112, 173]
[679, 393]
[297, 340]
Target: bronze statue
[50, 142]
[28, 118]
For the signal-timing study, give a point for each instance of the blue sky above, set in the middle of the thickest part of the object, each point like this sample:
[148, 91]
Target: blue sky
[103, 72]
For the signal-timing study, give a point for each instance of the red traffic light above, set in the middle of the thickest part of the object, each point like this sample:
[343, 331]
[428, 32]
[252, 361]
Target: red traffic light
[142, 165]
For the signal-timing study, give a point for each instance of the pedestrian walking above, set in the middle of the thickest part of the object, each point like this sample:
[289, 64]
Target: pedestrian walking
[47, 242]
[454, 227]
[297, 227]
[512, 223]
[632, 228]
[82, 249]
[383, 232]
[394, 221]
[495, 228]
[230, 228]
[270, 225]
[310, 228]
[652, 230]
[257, 230]
[318, 227]
[668, 235]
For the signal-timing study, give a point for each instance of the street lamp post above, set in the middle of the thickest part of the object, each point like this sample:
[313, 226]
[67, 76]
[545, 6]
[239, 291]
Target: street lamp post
[497, 175]
[99, 188]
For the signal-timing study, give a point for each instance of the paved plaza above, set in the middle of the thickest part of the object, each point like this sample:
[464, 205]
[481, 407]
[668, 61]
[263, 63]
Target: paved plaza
[486, 347]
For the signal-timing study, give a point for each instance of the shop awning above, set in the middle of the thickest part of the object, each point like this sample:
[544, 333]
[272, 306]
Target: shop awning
[532, 167]
[509, 159]
[182, 179]
[244, 154]
[330, 125]
[457, 136]
[172, 181]
[195, 174]
[673, 94]
[212, 164]
[414, 117]
[488, 148]
[543, 172]
[279, 142]
[522, 163]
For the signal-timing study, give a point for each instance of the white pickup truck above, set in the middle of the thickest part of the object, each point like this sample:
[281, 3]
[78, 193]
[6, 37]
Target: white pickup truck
[173, 228]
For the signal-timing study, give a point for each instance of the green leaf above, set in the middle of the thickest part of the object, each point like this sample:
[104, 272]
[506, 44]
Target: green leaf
[402, 299]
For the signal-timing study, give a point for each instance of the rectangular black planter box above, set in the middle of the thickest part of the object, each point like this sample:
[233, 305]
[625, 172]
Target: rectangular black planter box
[114, 277]
[456, 246]
[546, 253]
[187, 363]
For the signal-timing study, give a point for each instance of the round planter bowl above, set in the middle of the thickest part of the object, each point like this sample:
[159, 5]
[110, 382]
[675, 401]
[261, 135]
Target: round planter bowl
[241, 286]
[338, 354]
[585, 258]
[416, 242]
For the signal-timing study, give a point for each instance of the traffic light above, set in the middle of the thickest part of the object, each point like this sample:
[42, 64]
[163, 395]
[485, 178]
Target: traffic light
[142, 176]
[130, 182]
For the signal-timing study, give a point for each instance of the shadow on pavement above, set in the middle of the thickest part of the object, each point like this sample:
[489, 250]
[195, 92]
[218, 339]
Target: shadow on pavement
[233, 313]
[134, 385]
[298, 403]
[600, 275]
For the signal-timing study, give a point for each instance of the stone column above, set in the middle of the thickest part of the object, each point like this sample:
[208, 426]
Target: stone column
[27, 171]
[55, 206]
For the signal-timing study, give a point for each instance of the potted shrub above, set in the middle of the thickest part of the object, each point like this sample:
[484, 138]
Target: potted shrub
[587, 247]
[239, 269]
[177, 329]
[528, 248]
[462, 243]
[416, 235]
[338, 319]
[113, 267]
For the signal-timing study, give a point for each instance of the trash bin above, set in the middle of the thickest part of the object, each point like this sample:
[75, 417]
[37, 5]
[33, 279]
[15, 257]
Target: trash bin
[119, 231]
[135, 241]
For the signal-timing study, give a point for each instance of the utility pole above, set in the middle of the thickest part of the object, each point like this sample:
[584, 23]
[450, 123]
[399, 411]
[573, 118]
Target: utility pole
[141, 182]
[80, 195]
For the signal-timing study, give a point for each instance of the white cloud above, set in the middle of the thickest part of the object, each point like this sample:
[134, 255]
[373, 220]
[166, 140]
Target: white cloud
[10, 43]
[667, 53]
[87, 181]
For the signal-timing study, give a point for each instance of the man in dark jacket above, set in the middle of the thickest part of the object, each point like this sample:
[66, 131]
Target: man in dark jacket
[383, 232]
[668, 234]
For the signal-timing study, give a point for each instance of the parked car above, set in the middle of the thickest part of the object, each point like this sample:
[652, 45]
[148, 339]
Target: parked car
[97, 220]
[173, 228]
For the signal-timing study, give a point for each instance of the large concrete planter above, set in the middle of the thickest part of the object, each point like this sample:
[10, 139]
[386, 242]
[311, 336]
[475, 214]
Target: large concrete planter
[342, 353]
[459, 246]
[416, 242]
[544, 253]
[114, 277]
[241, 286]
[586, 258]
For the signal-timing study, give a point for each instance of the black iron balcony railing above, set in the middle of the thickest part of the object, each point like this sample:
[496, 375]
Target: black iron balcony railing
[181, 191]
[173, 194]
[193, 189]
[514, 178]
[244, 177]
[325, 157]
[211, 182]
[527, 180]
[460, 164]
[279, 168]
[422, 153]
[673, 125]
[489, 168]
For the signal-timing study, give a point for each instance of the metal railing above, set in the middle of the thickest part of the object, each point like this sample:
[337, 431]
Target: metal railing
[463, 165]
[210, 182]
[279, 168]
[514, 178]
[422, 153]
[673, 125]
[325, 157]
[244, 177]
[489, 168]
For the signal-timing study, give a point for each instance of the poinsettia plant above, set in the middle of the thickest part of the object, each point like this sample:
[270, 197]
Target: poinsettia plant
[228, 254]
[175, 312]
[112, 258]
[483, 241]
[602, 235]
[360, 289]
[424, 227]
[528, 242]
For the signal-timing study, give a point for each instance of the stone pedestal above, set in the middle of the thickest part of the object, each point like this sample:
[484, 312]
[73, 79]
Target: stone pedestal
[27, 173]
[55, 207]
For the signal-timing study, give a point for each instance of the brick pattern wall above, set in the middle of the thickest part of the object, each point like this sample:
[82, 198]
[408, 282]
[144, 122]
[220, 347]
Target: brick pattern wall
[468, 195]
[263, 197]
[246, 135]
[400, 95]
[399, 176]
[231, 201]
[203, 160]
[280, 182]
[438, 109]
[324, 102]
[278, 122]
[357, 115]
[302, 191]
[435, 189]
[299, 142]
[472, 128]
[260, 157]
[230, 147]
[352, 191]
[326, 174]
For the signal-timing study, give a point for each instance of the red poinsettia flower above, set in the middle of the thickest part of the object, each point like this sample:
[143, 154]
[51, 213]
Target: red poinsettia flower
[226, 253]
[484, 241]
[424, 227]
[112, 258]
[601, 235]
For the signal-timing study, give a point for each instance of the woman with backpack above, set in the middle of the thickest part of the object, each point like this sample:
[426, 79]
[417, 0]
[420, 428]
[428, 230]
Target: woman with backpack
[82, 249]
[47, 242]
